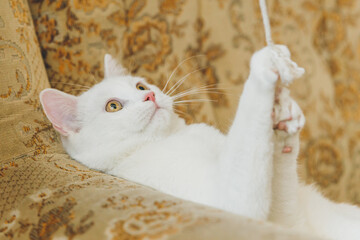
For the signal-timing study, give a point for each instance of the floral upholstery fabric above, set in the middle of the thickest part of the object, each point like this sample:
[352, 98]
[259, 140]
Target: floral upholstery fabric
[46, 195]
[75, 36]
[152, 37]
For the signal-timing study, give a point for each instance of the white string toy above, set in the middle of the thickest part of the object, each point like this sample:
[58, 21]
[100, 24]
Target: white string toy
[288, 70]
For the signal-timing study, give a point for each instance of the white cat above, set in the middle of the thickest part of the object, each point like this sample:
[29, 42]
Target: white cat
[126, 127]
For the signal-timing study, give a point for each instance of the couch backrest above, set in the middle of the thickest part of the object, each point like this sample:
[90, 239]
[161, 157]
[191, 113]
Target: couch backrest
[25, 130]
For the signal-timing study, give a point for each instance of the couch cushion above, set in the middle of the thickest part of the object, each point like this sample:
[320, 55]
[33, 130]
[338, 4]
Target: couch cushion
[61, 198]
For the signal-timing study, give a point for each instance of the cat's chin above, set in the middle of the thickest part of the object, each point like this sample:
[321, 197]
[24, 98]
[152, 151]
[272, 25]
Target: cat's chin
[159, 114]
[161, 120]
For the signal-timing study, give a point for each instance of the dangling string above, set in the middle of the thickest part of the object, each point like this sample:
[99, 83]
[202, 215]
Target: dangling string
[266, 22]
[288, 70]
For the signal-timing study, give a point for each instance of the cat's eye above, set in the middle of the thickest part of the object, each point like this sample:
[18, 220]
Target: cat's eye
[141, 87]
[113, 106]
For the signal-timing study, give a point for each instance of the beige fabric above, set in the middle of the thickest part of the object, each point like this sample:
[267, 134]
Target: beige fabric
[75, 36]
[323, 38]
[46, 195]
[22, 74]
[54, 196]
[152, 37]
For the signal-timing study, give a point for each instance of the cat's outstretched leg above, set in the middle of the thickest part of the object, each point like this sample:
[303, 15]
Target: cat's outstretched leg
[288, 121]
[246, 160]
[293, 204]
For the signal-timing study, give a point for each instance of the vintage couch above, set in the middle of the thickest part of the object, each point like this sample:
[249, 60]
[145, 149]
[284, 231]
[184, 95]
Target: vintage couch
[44, 194]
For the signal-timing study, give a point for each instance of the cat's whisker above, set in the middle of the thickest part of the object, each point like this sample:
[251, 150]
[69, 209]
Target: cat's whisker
[185, 104]
[179, 112]
[206, 86]
[198, 92]
[204, 89]
[73, 84]
[201, 87]
[195, 91]
[193, 100]
[93, 76]
[76, 89]
[175, 70]
[181, 81]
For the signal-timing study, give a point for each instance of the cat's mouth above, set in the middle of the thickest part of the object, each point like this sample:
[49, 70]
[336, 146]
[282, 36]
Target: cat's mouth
[154, 111]
[157, 108]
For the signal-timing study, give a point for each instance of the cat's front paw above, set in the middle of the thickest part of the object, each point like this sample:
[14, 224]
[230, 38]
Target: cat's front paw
[288, 119]
[262, 65]
[262, 68]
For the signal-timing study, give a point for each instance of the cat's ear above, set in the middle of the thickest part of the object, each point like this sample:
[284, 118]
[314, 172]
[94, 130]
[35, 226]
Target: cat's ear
[113, 68]
[60, 108]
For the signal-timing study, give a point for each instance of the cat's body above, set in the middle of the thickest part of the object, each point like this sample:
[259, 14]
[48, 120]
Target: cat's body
[249, 171]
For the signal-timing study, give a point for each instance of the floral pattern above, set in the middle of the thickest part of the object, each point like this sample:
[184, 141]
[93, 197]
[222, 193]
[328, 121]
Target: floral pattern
[47, 195]
[144, 34]
[152, 39]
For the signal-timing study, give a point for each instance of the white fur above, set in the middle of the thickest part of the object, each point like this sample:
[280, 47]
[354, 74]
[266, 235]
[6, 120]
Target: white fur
[295, 205]
[243, 172]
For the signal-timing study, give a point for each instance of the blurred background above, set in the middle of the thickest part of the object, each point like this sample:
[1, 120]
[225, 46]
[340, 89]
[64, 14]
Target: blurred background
[218, 37]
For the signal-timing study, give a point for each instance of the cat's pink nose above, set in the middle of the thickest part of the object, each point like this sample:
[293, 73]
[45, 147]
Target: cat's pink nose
[150, 97]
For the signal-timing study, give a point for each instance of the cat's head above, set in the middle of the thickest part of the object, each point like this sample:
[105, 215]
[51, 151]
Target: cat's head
[119, 109]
